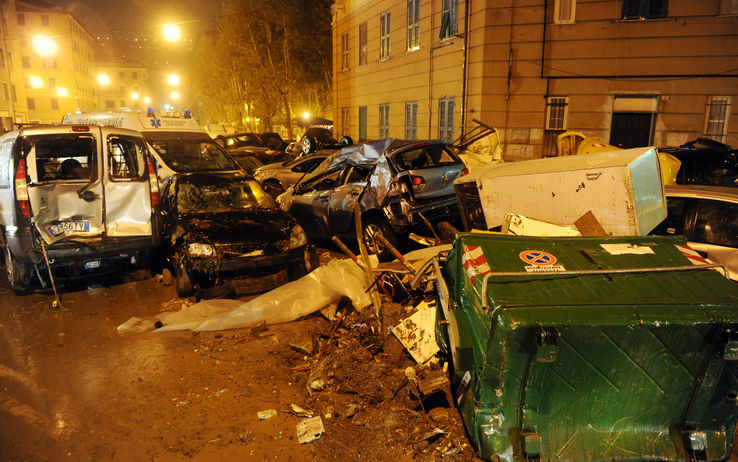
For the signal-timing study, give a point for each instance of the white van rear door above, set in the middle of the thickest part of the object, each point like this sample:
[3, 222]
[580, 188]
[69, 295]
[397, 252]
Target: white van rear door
[64, 188]
[128, 205]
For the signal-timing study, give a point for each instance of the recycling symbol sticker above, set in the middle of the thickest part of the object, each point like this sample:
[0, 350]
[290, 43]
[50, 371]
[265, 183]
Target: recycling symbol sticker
[537, 257]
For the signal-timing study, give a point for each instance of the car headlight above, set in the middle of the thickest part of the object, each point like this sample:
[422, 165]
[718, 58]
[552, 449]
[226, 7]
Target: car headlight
[297, 237]
[199, 249]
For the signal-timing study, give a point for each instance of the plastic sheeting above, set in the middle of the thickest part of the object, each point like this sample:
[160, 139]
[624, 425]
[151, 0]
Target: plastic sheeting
[291, 301]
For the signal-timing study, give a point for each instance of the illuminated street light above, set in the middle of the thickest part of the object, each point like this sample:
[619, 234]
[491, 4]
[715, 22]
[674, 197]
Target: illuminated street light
[173, 80]
[147, 100]
[35, 82]
[171, 32]
[305, 115]
[62, 92]
[174, 95]
[44, 45]
[134, 95]
[103, 79]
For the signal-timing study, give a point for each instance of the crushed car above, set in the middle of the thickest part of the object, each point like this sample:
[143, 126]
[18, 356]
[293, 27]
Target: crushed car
[706, 162]
[275, 178]
[585, 348]
[224, 235]
[76, 201]
[399, 185]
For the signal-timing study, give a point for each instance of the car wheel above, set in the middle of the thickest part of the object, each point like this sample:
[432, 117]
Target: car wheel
[19, 276]
[272, 187]
[308, 145]
[377, 225]
[346, 141]
[182, 279]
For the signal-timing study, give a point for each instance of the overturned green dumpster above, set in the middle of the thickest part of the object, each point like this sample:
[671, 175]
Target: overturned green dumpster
[601, 349]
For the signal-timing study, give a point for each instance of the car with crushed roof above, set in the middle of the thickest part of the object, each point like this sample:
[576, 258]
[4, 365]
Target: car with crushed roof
[398, 185]
[267, 147]
[223, 234]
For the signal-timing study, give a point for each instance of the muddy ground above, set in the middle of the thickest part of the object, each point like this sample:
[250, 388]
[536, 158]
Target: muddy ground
[73, 388]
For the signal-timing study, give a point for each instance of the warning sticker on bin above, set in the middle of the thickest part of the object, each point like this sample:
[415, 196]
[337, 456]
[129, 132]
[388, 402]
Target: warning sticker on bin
[540, 261]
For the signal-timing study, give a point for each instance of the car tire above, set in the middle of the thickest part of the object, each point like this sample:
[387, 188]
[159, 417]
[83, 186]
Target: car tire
[308, 145]
[272, 187]
[182, 280]
[375, 225]
[19, 276]
[346, 141]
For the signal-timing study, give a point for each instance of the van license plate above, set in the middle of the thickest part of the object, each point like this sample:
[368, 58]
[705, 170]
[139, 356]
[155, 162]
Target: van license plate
[69, 226]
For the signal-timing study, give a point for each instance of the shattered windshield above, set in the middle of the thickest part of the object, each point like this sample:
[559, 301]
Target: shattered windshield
[191, 152]
[221, 197]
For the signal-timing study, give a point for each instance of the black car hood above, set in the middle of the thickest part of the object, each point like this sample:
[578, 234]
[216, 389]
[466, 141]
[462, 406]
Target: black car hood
[254, 228]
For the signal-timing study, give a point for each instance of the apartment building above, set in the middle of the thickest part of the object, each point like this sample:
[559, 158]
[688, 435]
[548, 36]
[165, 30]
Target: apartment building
[122, 85]
[57, 61]
[631, 72]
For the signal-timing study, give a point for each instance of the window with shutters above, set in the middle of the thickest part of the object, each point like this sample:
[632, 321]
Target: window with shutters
[645, 9]
[344, 52]
[413, 25]
[384, 35]
[344, 121]
[362, 44]
[384, 120]
[411, 120]
[446, 119]
[362, 123]
[449, 19]
[716, 118]
[564, 11]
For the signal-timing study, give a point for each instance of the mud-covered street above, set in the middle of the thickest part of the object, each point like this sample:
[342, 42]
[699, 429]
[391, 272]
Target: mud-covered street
[73, 388]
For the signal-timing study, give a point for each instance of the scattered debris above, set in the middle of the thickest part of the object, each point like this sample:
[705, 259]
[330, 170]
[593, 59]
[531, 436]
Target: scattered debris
[266, 414]
[316, 380]
[300, 412]
[166, 277]
[303, 346]
[309, 430]
[418, 334]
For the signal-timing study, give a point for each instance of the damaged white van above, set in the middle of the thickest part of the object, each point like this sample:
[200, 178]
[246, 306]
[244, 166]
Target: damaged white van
[74, 200]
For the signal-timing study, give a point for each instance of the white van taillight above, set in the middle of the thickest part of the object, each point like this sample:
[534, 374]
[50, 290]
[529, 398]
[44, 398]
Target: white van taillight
[21, 189]
[153, 182]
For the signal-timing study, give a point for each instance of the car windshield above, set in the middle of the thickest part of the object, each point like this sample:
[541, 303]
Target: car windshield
[191, 152]
[221, 197]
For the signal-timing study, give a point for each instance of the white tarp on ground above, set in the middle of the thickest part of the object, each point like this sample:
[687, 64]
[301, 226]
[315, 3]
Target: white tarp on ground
[291, 301]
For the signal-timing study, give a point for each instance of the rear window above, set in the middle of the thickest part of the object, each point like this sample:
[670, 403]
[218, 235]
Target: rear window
[191, 152]
[716, 223]
[425, 157]
[61, 158]
[126, 158]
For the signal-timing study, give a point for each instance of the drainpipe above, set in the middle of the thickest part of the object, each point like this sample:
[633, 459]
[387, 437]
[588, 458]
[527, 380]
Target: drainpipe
[509, 78]
[464, 70]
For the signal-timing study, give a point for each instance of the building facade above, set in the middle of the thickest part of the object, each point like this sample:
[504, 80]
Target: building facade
[126, 86]
[630, 72]
[57, 61]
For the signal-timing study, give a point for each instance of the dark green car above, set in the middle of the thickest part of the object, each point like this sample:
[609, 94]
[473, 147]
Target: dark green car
[590, 349]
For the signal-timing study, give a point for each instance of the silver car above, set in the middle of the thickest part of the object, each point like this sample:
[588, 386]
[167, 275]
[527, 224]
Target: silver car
[708, 217]
[275, 178]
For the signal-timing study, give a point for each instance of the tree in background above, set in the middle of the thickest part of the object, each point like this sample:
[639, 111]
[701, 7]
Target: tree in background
[263, 60]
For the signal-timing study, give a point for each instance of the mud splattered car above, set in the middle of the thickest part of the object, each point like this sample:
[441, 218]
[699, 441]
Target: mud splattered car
[223, 235]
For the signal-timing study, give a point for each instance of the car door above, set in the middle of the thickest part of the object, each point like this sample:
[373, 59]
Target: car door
[715, 233]
[432, 169]
[342, 198]
[65, 187]
[126, 184]
[310, 202]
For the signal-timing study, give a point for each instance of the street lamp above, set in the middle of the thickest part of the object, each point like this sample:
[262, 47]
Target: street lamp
[171, 32]
[174, 95]
[62, 92]
[44, 45]
[173, 80]
[147, 100]
[103, 79]
[35, 81]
